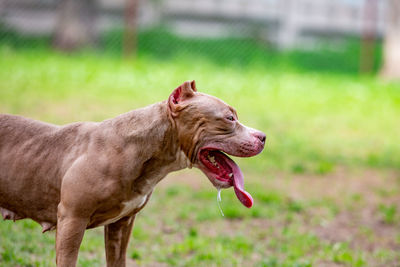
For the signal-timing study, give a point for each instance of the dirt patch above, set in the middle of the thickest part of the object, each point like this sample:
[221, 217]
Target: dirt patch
[355, 195]
[367, 183]
[358, 197]
[362, 230]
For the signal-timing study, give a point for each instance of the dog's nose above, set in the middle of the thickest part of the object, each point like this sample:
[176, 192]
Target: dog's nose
[261, 136]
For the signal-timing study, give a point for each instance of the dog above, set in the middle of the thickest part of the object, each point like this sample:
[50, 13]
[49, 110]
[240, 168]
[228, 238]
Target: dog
[90, 174]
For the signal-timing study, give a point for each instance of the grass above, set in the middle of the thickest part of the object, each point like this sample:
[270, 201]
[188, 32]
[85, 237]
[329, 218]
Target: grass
[331, 165]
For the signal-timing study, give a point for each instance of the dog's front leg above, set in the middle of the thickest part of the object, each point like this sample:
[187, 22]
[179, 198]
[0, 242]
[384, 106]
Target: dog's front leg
[116, 236]
[69, 234]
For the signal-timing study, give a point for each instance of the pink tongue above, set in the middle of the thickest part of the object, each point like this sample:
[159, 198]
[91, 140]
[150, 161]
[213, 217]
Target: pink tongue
[238, 184]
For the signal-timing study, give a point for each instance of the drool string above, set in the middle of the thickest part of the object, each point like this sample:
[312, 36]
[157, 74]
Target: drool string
[219, 201]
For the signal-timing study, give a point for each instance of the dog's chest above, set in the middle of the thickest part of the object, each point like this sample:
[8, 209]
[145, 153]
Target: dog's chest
[129, 206]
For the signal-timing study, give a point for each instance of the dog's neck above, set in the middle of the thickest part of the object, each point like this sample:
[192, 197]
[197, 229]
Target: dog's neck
[156, 138]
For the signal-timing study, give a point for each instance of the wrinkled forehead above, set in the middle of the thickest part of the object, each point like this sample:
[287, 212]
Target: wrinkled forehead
[212, 104]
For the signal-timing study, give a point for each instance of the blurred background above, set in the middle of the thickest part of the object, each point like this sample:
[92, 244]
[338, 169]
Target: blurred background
[320, 78]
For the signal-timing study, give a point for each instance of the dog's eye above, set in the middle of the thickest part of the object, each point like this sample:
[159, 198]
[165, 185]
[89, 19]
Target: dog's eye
[231, 118]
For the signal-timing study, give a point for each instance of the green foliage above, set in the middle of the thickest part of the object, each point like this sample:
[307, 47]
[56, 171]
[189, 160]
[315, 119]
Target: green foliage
[241, 52]
[388, 212]
[342, 254]
[324, 167]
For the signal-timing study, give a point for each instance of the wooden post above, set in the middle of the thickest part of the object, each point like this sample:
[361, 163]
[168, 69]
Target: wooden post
[367, 55]
[130, 31]
[76, 24]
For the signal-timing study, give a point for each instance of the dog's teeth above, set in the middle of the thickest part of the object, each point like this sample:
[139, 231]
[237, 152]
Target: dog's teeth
[230, 175]
[212, 159]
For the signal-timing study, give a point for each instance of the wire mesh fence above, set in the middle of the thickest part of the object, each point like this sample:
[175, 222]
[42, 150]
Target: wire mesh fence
[234, 31]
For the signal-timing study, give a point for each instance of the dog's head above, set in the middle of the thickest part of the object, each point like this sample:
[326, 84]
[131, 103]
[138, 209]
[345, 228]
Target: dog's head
[208, 129]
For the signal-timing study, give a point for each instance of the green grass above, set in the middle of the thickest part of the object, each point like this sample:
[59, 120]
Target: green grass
[327, 119]
[324, 122]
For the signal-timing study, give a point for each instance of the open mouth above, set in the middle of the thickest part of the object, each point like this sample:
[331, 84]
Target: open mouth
[223, 172]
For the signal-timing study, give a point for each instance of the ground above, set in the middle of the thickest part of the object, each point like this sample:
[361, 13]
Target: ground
[296, 219]
[326, 188]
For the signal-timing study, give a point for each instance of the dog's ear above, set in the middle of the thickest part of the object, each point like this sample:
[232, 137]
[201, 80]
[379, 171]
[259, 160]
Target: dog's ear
[184, 91]
[192, 85]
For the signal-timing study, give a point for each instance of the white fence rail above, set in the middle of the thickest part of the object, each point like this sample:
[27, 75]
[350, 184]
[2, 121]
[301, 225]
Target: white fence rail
[284, 22]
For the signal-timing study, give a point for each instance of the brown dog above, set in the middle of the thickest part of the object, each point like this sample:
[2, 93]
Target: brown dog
[89, 174]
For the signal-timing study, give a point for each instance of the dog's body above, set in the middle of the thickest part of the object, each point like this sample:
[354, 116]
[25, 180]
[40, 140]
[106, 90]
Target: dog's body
[85, 175]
